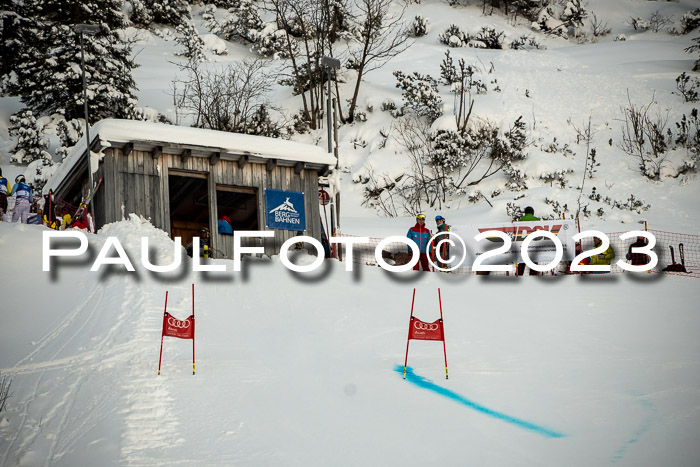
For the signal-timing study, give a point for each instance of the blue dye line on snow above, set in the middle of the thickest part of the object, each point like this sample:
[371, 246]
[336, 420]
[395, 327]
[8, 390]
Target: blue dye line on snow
[643, 428]
[429, 385]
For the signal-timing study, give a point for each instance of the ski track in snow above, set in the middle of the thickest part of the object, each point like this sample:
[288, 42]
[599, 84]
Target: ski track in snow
[82, 417]
[151, 427]
[56, 335]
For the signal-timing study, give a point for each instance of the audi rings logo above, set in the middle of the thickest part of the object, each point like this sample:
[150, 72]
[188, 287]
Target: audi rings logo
[421, 326]
[176, 323]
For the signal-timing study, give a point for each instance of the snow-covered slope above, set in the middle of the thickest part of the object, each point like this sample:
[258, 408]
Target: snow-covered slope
[297, 370]
[304, 369]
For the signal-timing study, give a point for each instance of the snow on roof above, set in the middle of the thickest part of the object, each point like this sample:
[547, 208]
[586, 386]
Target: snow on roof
[125, 131]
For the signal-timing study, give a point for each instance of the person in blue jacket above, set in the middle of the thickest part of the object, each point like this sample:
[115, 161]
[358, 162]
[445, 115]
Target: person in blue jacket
[23, 198]
[4, 190]
[421, 236]
[224, 226]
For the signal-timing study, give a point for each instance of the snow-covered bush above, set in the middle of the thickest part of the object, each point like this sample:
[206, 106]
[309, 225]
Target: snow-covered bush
[488, 38]
[560, 19]
[526, 42]
[419, 27]
[516, 178]
[598, 27]
[448, 71]
[639, 24]
[688, 87]
[420, 93]
[242, 23]
[688, 133]
[558, 176]
[454, 37]
[261, 124]
[687, 23]
[557, 208]
[574, 13]
[645, 137]
[193, 44]
[31, 144]
[270, 42]
[388, 104]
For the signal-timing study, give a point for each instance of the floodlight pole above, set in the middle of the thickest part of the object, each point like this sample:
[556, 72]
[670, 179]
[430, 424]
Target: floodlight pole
[330, 62]
[90, 30]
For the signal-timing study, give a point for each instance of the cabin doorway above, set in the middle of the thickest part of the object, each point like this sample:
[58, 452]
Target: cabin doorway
[189, 205]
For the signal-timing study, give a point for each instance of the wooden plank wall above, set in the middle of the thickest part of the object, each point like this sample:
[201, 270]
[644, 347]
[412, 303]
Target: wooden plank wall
[138, 183]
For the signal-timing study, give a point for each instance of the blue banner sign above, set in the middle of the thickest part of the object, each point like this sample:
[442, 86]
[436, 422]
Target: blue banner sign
[285, 210]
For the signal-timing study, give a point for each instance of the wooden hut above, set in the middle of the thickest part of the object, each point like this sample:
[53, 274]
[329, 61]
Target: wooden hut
[183, 179]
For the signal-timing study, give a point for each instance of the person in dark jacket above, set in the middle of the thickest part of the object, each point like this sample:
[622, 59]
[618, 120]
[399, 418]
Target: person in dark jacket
[443, 232]
[421, 236]
[528, 217]
[4, 190]
[638, 259]
[49, 210]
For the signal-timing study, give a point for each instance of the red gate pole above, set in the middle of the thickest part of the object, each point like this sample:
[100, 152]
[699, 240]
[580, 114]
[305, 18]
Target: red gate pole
[444, 348]
[160, 359]
[408, 340]
[192, 330]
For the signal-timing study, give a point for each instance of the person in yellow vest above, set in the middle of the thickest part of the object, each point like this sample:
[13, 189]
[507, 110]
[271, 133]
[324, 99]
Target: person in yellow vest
[603, 259]
[65, 223]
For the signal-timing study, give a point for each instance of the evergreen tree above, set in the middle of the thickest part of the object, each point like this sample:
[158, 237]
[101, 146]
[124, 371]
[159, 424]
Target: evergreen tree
[173, 12]
[194, 45]
[31, 143]
[48, 68]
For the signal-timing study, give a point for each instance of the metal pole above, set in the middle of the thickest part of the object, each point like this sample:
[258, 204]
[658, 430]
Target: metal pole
[328, 111]
[162, 334]
[442, 322]
[87, 118]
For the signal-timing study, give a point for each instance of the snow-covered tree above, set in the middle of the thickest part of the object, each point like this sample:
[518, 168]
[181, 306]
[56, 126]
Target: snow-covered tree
[273, 42]
[419, 27]
[193, 44]
[420, 93]
[261, 124]
[70, 133]
[242, 23]
[48, 68]
[695, 49]
[31, 143]
[140, 14]
[171, 12]
[687, 23]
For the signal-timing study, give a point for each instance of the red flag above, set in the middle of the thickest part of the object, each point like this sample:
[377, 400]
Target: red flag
[173, 327]
[420, 330]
